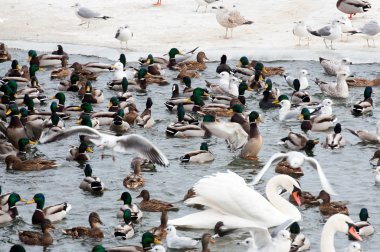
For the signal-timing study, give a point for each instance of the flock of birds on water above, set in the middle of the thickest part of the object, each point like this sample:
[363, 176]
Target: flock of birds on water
[215, 110]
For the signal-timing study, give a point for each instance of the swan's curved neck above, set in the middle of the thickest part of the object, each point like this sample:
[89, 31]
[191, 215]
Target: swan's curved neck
[327, 237]
[279, 202]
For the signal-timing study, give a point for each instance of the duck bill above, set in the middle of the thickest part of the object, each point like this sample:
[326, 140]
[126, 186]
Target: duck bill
[148, 61]
[79, 121]
[300, 117]
[9, 111]
[119, 199]
[157, 241]
[259, 119]
[276, 102]
[53, 97]
[315, 141]
[264, 70]
[250, 89]
[88, 149]
[88, 89]
[296, 198]
[29, 59]
[352, 232]
[31, 142]
[109, 105]
[30, 201]
[239, 64]
[23, 200]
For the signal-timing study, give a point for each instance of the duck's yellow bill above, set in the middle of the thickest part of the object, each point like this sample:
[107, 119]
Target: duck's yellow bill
[30, 201]
[32, 142]
[88, 149]
[23, 200]
[79, 121]
[300, 117]
[9, 111]
[276, 102]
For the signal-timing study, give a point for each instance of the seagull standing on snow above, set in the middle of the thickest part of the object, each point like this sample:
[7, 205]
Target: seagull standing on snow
[230, 19]
[300, 31]
[369, 31]
[124, 34]
[204, 3]
[328, 32]
[86, 14]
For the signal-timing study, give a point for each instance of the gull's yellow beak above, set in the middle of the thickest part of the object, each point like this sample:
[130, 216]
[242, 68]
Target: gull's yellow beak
[88, 149]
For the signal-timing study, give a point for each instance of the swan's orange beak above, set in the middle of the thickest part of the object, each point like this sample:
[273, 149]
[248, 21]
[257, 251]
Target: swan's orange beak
[352, 232]
[296, 197]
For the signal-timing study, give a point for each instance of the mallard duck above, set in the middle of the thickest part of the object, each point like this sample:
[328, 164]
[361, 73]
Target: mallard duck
[86, 120]
[330, 208]
[83, 73]
[338, 89]
[299, 96]
[253, 145]
[187, 91]
[70, 85]
[14, 163]
[15, 70]
[4, 201]
[223, 66]
[136, 213]
[335, 140]
[307, 199]
[4, 54]
[269, 71]
[299, 241]
[36, 238]
[174, 241]
[316, 123]
[17, 248]
[113, 104]
[60, 51]
[185, 72]
[203, 155]
[296, 141]
[126, 230]
[205, 240]
[160, 231]
[135, 179]
[15, 130]
[131, 115]
[44, 60]
[118, 125]
[183, 128]
[302, 79]
[92, 95]
[352, 7]
[148, 240]
[61, 103]
[284, 167]
[154, 69]
[62, 72]
[367, 137]
[94, 231]
[12, 212]
[153, 205]
[363, 227]
[376, 155]
[91, 183]
[361, 82]
[172, 60]
[364, 106]
[53, 213]
[34, 124]
[145, 119]
[7, 148]
[268, 102]
[79, 153]
[239, 117]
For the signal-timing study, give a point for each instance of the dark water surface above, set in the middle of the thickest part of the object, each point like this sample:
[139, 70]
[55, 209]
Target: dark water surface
[347, 169]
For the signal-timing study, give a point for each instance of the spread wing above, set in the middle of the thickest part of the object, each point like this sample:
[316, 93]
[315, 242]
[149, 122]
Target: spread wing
[84, 130]
[274, 158]
[322, 177]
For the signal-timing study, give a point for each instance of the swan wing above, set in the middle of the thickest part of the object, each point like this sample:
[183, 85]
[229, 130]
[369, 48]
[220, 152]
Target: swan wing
[84, 130]
[274, 158]
[143, 146]
[230, 131]
[322, 177]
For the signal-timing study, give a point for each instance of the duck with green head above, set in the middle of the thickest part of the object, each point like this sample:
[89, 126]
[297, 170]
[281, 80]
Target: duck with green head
[15, 69]
[316, 123]
[255, 140]
[91, 183]
[9, 96]
[223, 67]
[365, 106]
[44, 59]
[274, 92]
[188, 103]
[33, 124]
[363, 227]
[33, 59]
[145, 119]
[148, 241]
[70, 85]
[53, 213]
[123, 59]
[86, 120]
[243, 62]
[188, 90]
[7, 149]
[238, 117]
[113, 104]
[203, 155]
[126, 230]
[12, 212]
[136, 213]
[15, 130]
[172, 61]
[118, 125]
[33, 68]
[154, 69]
[60, 96]
[17, 248]
[79, 153]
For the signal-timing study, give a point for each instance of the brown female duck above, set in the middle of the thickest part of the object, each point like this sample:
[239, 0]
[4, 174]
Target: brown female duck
[61, 72]
[283, 167]
[153, 205]
[361, 82]
[82, 73]
[4, 54]
[160, 231]
[135, 179]
[14, 163]
[36, 238]
[189, 73]
[330, 208]
[15, 130]
[376, 155]
[307, 199]
[132, 114]
[94, 231]
[199, 64]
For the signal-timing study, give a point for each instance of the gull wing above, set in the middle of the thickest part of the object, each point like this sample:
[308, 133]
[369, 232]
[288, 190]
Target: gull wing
[87, 13]
[84, 130]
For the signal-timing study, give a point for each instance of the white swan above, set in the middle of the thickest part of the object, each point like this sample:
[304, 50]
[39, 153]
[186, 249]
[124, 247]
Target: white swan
[296, 159]
[336, 223]
[240, 206]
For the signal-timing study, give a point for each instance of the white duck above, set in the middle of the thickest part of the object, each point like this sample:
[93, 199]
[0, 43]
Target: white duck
[174, 241]
[119, 73]
[332, 67]
[240, 206]
[304, 83]
[296, 159]
[338, 89]
[336, 223]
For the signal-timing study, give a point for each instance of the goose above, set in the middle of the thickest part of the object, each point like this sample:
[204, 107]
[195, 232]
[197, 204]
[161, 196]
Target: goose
[335, 140]
[115, 143]
[336, 223]
[241, 207]
[230, 19]
[296, 159]
[174, 241]
[304, 83]
[365, 106]
[367, 137]
[352, 7]
[338, 89]
[332, 67]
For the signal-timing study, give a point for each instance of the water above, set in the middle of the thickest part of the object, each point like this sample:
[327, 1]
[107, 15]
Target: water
[347, 169]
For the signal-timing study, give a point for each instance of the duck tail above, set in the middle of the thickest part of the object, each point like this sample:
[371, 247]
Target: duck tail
[353, 132]
[185, 159]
